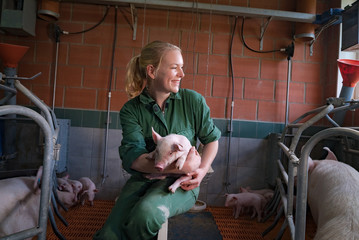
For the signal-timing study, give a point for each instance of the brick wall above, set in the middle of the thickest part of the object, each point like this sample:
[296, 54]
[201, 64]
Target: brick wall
[260, 79]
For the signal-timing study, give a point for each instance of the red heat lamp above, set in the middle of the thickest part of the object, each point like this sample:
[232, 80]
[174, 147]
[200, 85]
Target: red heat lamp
[11, 54]
[349, 69]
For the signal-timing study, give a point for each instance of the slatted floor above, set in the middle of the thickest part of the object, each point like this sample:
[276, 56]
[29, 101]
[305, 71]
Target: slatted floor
[84, 221]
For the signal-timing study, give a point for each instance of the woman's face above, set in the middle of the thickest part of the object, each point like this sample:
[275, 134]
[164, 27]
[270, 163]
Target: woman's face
[170, 72]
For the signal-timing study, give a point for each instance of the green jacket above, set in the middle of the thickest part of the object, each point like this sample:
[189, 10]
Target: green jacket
[186, 113]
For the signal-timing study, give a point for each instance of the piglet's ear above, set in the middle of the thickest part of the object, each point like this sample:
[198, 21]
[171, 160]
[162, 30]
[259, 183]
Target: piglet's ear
[177, 147]
[156, 137]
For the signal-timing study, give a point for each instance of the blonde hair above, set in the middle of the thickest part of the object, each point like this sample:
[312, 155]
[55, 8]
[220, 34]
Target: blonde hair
[136, 73]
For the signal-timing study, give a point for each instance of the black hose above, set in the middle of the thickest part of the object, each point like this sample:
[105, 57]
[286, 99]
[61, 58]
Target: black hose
[251, 49]
[93, 27]
[230, 129]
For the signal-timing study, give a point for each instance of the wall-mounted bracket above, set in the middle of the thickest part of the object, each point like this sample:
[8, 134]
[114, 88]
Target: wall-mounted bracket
[134, 20]
[263, 29]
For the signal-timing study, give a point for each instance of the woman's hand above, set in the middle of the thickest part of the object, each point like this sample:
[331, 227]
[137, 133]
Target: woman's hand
[197, 177]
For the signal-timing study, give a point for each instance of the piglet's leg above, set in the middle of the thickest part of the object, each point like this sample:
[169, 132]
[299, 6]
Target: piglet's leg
[178, 182]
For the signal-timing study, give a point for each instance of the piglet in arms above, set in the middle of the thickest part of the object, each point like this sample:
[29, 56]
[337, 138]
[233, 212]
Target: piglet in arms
[171, 148]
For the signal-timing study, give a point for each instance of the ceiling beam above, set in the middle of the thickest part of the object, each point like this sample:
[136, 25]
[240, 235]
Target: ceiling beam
[207, 8]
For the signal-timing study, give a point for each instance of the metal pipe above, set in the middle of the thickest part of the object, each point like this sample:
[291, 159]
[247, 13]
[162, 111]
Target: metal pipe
[36, 101]
[302, 183]
[307, 124]
[209, 8]
[48, 165]
[55, 75]
[104, 167]
[289, 76]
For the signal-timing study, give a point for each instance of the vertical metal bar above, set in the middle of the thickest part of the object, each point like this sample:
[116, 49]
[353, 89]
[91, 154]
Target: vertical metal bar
[289, 79]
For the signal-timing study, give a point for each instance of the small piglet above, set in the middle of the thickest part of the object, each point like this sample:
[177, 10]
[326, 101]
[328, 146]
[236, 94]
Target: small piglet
[88, 190]
[333, 198]
[265, 192]
[246, 200]
[170, 148]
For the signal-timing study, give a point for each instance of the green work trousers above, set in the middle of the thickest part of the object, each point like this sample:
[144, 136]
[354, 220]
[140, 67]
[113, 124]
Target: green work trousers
[142, 207]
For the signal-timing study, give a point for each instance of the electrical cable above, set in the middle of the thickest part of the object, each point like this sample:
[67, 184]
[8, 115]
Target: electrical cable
[91, 28]
[230, 128]
[253, 50]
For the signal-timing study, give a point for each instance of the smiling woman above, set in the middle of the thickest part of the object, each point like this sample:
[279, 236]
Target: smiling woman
[153, 82]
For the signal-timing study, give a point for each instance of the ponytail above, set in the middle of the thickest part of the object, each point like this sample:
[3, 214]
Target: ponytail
[134, 78]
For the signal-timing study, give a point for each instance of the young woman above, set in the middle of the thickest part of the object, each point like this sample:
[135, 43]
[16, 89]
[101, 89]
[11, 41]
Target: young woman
[153, 84]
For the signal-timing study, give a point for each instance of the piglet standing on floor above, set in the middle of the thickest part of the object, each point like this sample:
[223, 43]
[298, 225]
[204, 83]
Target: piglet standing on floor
[333, 198]
[246, 200]
[88, 190]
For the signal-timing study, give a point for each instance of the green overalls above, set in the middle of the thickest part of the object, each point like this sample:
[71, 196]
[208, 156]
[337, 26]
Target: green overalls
[144, 205]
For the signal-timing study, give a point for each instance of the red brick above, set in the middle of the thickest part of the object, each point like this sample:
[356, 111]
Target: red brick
[306, 72]
[245, 67]
[213, 64]
[314, 94]
[63, 53]
[119, 83]
[65, 11]
[41, 32]
[279, 29]
[296, 92]
[215, 23]
[199, 83]
[118, 99]
[190, 62]
[258, 89]
[286, 5]
[271, 111]
[121, 58]
[196, 42]
[22, 100]
[45, 52]
[183, 20]
[44, 93]
[296, 110]
[274, 70]
[29, 70]
[59, 97]
[96, 36]
[88, 12]
[165, 35]
[243, 109]
[268, 4]
[156, 18]
[97, 77]
[241, 3]
[216, 106]
[69, 76]
[125, 36]
[222, 87]
[222, 44]
[80, 98]
[84, 55]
